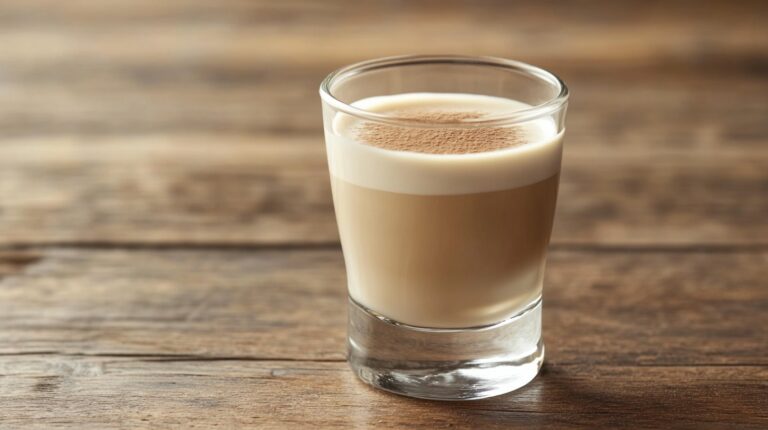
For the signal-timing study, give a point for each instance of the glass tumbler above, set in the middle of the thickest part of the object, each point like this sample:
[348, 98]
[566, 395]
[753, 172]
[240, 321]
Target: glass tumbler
[444, 172]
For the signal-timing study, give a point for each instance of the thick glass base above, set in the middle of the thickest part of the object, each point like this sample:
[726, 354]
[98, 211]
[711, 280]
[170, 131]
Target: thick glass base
[445, 364]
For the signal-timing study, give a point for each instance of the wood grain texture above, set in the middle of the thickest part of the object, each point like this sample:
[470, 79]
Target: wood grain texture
[191, 122]
[243, 190]
[168, 251]
[148, 338]
[149, 393]
[611, 308]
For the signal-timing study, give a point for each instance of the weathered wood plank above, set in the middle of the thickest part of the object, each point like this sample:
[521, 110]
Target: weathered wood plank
[145, 101]
[102, 392]
[94, 68]
[198, 189]
[226, 189]
[88, 74]
[608, 106]
[301, 33]
[658, 308]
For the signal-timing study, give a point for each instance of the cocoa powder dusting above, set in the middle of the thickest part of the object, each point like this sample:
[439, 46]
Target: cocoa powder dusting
[442, 140]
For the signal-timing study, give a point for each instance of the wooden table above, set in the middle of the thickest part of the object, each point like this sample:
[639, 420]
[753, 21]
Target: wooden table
[169, 255]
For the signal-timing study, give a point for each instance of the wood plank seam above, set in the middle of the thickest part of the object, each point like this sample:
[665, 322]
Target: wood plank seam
[335, 245]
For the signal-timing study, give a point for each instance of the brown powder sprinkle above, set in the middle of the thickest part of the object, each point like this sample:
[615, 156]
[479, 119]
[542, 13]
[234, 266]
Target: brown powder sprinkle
[443, 140]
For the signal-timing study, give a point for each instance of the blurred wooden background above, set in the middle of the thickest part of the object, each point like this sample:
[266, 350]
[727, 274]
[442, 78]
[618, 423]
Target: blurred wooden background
[168, 250]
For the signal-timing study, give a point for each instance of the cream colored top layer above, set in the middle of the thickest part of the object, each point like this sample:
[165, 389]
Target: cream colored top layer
[442, 174]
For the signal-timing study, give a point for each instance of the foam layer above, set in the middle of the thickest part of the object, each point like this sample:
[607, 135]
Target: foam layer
[362, 164]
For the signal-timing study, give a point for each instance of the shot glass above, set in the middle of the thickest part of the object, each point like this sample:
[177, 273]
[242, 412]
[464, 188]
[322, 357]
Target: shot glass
[444, 172]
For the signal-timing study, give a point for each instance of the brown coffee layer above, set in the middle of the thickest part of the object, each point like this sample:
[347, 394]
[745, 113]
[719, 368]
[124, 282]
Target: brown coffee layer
[457, 260]
[439, 140]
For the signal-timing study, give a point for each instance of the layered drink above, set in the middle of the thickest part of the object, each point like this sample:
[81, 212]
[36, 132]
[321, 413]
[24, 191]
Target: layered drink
[444, 220]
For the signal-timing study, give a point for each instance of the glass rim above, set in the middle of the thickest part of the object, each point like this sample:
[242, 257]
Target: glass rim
[514, 117]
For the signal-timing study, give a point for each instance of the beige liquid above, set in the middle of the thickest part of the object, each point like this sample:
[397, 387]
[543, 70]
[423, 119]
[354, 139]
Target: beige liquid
[444, 239]
[448, 260]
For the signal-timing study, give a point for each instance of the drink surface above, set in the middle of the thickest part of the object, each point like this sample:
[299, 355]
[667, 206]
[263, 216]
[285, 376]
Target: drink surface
[443, 227]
